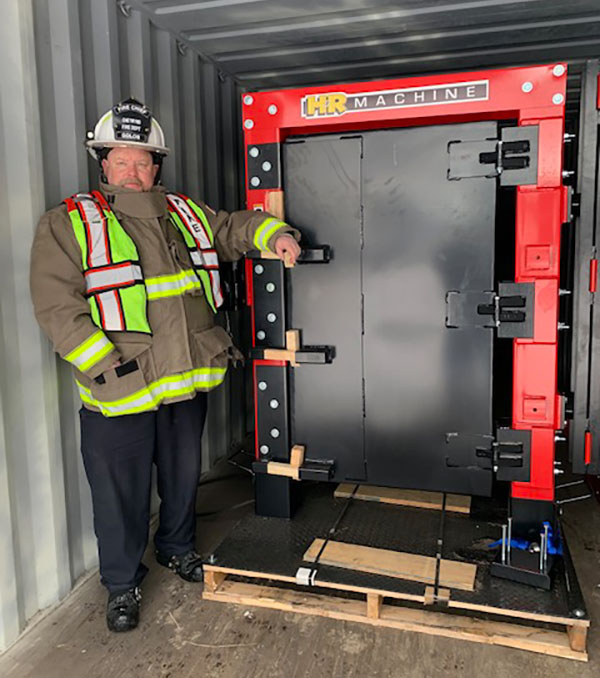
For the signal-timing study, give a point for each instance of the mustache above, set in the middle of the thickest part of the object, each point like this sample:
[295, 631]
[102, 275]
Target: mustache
[131, 180]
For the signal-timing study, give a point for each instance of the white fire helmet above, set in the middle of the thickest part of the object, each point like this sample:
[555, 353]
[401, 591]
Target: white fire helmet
[129, 123]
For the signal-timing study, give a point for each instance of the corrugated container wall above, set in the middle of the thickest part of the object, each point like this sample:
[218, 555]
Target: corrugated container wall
[65, 62]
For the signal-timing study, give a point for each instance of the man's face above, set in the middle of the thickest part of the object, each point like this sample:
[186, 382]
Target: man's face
[130, 168]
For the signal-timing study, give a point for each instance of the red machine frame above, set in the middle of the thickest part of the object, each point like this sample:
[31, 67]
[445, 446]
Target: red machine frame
[531, 96]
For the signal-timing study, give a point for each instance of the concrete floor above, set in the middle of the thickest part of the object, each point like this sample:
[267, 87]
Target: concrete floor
[180, 635]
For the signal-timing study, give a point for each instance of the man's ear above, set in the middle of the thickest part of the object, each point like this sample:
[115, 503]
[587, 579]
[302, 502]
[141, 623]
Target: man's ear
[104, 165]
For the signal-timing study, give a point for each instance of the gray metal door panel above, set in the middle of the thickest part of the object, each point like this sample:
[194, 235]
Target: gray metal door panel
[424, 236]
[322, 198]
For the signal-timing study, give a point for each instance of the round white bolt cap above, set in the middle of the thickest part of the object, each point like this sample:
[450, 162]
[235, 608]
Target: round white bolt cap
[272, 109]
[262, 385]
[255, 181]
[558, 99]
[266, 166]
[558, 70]
[527, 87]
[248, 99]
[264, 449]
[249, 124]
[271, 317]
[261, 334]
[270, 287]
[254, 152]
[274, 404]
[259, 269]
[274, 433]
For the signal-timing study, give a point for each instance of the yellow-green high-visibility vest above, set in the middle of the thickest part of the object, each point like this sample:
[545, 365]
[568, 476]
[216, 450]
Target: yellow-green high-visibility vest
[115, 285]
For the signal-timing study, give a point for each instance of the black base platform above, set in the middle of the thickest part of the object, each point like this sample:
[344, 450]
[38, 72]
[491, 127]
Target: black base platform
[275, 547]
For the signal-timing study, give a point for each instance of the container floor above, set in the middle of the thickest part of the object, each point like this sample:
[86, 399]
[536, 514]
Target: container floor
[180, 635]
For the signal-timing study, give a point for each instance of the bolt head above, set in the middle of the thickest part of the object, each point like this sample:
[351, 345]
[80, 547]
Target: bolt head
[248, 99]
[249, 124]
[274, 433]
[578, 612]
[558, 70]
[558, 99]
[259, 269]
[271, 317]
[527, 87]
[266, 166]
[260, 335]
[272, 109]
[264, 449]
[274, 404]
[270, 287]
[255, 181]
[262, 385]
[254, 152]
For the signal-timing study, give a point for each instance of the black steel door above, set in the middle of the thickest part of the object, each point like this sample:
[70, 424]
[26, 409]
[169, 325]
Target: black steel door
[407, 399]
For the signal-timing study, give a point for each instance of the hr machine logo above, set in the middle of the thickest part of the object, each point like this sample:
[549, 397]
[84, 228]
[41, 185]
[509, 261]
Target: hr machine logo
[334, 104]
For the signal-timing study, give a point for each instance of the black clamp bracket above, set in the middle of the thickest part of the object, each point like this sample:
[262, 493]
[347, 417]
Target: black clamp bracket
[312, 355]
[513, 157]
[321, 254]
[510, 454]
[512, 310]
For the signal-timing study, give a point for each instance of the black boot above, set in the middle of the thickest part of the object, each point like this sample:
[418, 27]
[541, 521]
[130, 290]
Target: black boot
[187, 565]
[123, 610]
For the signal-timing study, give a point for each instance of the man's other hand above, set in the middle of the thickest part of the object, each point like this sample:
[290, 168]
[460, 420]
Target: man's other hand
[287, 249]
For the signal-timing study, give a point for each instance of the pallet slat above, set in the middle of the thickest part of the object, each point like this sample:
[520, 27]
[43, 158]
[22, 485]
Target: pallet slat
[409, 566]
[375, 613]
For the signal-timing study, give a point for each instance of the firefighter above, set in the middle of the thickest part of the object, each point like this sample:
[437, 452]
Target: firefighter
[125, 283]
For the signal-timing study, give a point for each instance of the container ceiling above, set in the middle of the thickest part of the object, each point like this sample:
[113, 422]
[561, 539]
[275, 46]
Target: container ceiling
[267, 44]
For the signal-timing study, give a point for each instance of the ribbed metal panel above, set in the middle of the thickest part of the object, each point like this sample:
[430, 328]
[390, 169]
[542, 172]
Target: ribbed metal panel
[269, 44]
[65, 62]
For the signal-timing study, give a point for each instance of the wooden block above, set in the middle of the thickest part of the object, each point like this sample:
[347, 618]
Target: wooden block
[577, 637]
[275, 204]
[374, 603]
[279, 354]
[533, 639]
[456, 503]
[297, 456]
[292, 340]
[410, 566]
[212, 579]
[277, 468]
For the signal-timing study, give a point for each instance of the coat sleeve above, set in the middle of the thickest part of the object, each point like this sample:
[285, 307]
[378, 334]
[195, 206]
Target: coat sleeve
[58, 294]
[238, 232]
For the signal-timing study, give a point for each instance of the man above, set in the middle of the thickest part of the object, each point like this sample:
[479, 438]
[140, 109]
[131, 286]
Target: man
[125, 282]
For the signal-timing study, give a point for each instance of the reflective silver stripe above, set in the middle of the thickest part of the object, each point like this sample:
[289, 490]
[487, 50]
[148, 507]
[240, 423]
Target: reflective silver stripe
[120, 274]
[156, 286]
[98, 345]
[109, 308]
[197, 258]
[98, 233]
[152, 395]
[210, 258]
[191, 221]
[216, 287]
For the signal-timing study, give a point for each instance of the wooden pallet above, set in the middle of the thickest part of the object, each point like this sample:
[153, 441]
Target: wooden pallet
[513, 631]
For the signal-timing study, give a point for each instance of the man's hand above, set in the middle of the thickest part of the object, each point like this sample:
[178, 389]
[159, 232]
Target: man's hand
[287, 249]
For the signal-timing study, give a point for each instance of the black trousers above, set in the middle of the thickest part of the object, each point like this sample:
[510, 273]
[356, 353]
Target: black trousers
[118, 453]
